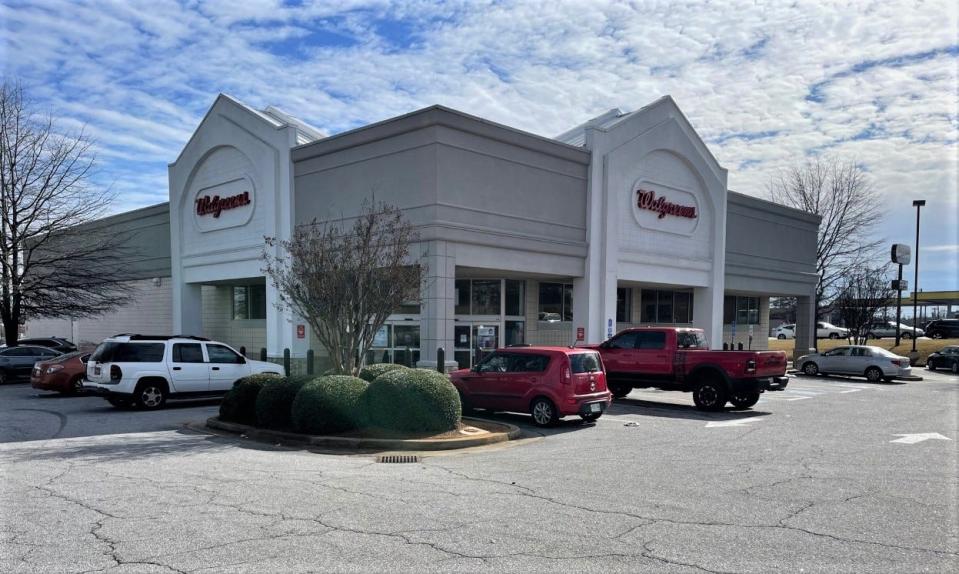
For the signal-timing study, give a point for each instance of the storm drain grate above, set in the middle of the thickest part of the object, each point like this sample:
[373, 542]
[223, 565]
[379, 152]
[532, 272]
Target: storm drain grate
[397, 458]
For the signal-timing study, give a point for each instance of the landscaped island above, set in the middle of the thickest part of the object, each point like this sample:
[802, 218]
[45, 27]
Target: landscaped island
[385, 400]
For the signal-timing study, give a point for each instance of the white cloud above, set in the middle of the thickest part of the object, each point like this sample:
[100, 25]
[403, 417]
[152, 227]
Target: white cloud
[847, 79]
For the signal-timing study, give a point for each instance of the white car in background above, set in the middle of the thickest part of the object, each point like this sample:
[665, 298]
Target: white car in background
[829, 331]
[874, 363]
[785, 332]
[145, 371]
[823, 331]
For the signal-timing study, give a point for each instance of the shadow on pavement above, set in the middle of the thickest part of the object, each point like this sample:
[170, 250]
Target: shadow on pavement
[529, 428]
[106, 448]
[629, 406]
[843, 379]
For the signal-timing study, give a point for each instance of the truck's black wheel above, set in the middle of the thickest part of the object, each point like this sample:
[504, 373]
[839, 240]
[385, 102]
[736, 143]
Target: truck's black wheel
[619, 390]
[744, 400]
[710, 395]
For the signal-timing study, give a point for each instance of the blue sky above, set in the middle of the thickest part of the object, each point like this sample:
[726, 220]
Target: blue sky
[765, 85]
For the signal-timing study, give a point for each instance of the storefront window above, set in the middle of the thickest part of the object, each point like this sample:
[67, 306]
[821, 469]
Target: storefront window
[485, 297]
[395, 344]
[515, 333]
[555, 302]
[742, 310]
[406, 336]
[515, 297]
[624, 305]
[666, 306]
[249, 302]
[462, 297]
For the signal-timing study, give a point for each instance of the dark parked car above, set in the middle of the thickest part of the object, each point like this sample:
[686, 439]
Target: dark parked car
[946, 358]
[17, 362]
[55, 343]
[943, 329]
[63, 374]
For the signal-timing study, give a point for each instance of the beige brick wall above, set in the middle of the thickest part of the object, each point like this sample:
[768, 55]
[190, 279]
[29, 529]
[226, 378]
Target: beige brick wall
[218, 322]
[150, 312]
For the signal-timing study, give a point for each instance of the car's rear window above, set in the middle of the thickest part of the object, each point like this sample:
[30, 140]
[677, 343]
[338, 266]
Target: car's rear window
[128, 353]
[585, 363]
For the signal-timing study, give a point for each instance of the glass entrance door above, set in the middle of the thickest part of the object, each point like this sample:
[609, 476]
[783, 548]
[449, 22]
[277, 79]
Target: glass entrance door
[473, 341]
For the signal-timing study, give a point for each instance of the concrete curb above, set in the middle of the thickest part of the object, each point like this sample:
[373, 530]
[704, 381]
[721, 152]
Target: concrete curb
[509, 432]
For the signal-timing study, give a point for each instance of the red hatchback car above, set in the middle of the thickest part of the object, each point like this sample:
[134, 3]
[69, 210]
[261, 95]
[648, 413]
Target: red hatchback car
[547, 382]
[63, 374]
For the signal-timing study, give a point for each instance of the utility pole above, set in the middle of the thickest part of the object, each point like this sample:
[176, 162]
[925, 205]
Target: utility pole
[918, 203]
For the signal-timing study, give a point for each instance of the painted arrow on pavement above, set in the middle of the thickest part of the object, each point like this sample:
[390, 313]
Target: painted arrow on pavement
[733, 422]
[919, 437]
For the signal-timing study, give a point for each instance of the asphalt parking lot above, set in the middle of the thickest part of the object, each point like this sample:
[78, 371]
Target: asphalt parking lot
[832, 475]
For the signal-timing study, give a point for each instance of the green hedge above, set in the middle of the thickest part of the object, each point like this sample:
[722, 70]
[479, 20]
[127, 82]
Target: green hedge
[275, 400]
[412, 400]
[239, 403]
[329, 404]
[370, 372]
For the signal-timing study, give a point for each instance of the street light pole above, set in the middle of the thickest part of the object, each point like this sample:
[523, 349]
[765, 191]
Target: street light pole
[918, 203]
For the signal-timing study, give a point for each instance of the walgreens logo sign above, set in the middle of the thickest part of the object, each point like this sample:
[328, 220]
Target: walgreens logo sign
[215, 205]
[646, 199]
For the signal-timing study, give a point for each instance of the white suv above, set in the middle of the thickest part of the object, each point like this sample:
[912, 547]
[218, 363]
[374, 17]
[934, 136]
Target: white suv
[145, 370]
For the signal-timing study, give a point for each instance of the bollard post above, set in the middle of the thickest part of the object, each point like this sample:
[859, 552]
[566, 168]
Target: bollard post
[243, 350]
[263, 353]
[740, 345]
[441, 360]
[286, 361]
[725, 346]
[409, 357]
[309, 362]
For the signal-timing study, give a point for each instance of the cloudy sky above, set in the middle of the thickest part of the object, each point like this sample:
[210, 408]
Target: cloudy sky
[766, 84]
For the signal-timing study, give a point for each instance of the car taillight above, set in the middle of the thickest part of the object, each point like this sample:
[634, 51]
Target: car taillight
[751, 366]
[901, 362]
[115, 374]
[566, 377]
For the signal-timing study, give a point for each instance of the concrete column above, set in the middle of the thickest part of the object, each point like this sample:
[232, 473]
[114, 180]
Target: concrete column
[187, 309]
[281, 328]
[437, 305]
[708, 314]
[805, 326]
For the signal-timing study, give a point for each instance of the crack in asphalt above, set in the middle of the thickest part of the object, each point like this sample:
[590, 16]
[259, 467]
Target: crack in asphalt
[648, 553]
[654, 519]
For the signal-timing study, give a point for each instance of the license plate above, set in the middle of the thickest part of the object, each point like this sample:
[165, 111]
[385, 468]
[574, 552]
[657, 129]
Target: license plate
[96, 370]
[595, 408]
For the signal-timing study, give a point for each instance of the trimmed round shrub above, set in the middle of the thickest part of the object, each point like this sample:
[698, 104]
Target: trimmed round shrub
[329, 404]
[275, 400]
[370, 372]
[413, 400]
[239, 403]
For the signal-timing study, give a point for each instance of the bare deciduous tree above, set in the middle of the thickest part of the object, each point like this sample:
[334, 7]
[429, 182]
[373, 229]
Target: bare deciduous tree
[345, 278]
[50, 267]
[839, 191]
[862, 293]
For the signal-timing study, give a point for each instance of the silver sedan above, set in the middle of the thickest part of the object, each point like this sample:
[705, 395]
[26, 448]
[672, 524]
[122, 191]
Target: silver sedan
[874, 363]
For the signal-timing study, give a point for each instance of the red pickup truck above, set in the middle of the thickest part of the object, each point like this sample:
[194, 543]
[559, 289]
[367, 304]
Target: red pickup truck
[679, 359]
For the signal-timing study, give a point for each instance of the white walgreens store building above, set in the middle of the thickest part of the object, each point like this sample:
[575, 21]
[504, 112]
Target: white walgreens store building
[623, 221]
